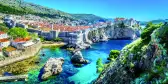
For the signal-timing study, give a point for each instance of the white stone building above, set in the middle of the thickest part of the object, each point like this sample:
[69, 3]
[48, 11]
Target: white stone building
[3, 35]
[21, 43]
[4, 42]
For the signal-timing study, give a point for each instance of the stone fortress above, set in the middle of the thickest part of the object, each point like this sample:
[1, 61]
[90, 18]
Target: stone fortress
[80, 36]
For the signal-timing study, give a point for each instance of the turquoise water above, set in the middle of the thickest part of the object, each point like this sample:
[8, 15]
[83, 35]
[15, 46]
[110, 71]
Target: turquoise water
[74, 75]
[88, 73]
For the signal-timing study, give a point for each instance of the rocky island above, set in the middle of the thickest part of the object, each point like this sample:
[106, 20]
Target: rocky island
[52, 67]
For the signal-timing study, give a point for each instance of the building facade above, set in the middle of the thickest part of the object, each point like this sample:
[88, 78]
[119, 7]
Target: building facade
[21, 43]
[4, 41]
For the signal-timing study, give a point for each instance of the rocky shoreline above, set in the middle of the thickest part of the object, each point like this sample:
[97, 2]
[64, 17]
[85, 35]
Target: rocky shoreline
[108, 33]
[144, 61]
[77, 58]
[101, 35]
[52, 44]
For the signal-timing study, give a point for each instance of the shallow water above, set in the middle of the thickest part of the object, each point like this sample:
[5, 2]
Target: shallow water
[88, 73]
[74, 75]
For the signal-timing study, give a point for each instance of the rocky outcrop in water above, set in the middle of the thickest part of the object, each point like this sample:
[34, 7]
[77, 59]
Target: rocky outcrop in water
[52, 67]
[77, 58]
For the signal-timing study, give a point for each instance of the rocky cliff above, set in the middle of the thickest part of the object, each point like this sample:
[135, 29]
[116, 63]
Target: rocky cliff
[106, 33]
[140, 62]
[111, 32]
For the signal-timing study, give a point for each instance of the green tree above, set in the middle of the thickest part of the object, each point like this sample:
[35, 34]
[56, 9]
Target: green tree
[146, 33]
[113, 54]
[18, 32]
[33, 35]
[3, 27]
[122, 25]
[58, 39]
[42, 38]
[149, 24]
[99, 65]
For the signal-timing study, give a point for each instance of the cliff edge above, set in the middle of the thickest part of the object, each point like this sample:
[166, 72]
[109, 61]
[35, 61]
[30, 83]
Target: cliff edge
[145, 61]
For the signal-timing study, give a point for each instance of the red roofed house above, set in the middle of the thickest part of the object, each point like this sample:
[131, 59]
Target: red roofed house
[3, 35]
[21, 43]
[4, 42]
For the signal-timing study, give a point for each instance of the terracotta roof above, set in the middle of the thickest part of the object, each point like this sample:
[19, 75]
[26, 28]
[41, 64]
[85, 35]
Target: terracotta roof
[22, 39]
[10, 49]
[120, 19]
[2, 32]
[4, 40]
[65, 28]
[45, 26]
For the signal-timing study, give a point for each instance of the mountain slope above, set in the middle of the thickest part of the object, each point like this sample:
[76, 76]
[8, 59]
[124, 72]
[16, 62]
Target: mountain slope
[20, 7]
[154, 21]
[88, 17]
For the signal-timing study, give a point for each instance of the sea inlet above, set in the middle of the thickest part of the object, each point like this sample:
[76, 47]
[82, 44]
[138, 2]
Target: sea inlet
[71, 74]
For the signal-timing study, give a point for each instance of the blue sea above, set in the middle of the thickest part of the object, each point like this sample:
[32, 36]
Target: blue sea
[76, 75]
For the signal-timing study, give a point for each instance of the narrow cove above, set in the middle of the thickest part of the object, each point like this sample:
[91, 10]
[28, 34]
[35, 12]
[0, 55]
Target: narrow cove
[71, 74]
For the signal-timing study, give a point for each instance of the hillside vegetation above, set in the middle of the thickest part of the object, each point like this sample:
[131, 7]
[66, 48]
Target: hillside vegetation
[144, 61]
[88, 17]
[19, 7]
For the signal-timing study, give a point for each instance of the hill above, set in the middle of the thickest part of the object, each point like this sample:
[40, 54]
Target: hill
[20, 7]
[88, 17]
[154, 21]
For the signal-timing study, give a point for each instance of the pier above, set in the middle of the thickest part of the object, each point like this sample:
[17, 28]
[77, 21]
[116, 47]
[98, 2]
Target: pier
[13, 78]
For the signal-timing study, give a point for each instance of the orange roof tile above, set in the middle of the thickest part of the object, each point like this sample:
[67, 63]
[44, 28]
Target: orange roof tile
[47, 27]
[22, 39]
[2, 32]
[10, 49]
[4, 40]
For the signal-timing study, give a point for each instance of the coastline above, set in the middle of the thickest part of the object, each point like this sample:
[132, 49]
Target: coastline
[9, 60]
[52, 44]
[24, 55]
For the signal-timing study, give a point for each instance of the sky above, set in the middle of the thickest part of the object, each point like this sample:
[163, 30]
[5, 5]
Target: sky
[143, 10]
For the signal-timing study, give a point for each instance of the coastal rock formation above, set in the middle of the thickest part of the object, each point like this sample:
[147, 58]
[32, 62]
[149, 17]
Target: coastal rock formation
[140, 62]
[98, 35]
[86, 39]
[83, 45]
[112, 32]
[121, 33]
[77, 58]
[79, 46]
[52, 67]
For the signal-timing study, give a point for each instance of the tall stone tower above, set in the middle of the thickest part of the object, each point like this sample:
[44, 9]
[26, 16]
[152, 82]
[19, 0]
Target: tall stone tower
[53, 33]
